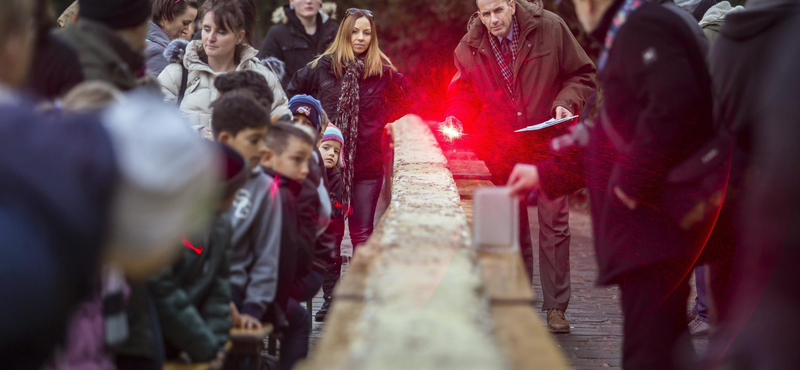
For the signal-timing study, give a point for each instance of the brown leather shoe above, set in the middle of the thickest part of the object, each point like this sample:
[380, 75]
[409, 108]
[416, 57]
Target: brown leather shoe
[556, 322]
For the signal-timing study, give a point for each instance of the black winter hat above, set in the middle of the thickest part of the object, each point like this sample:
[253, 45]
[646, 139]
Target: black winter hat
[116, 14]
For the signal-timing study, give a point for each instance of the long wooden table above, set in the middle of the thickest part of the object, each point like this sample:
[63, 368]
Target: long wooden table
[518, 330]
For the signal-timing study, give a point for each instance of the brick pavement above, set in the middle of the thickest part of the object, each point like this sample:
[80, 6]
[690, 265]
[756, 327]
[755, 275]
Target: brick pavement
[594, 312]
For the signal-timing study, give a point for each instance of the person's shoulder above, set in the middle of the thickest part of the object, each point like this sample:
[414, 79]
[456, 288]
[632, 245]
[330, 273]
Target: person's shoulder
[649, 24]
[278, 31]
[653, 16]
[172, 72]
[330, 26]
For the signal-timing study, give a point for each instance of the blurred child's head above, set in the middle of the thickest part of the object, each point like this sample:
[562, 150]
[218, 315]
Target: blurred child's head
[289, 150]
[249, 80]
[307, 111]
[331, 147]
[92, 97]
[240, 122]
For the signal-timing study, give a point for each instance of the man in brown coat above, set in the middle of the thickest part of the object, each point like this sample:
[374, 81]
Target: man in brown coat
[519, 65]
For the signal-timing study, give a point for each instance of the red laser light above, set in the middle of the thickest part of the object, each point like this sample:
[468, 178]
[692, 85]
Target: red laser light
[195, 249]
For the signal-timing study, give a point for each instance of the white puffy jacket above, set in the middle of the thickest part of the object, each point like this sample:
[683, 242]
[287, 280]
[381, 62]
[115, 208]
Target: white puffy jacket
[200, 90]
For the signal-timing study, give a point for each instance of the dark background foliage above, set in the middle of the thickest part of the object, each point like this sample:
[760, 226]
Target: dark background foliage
[418, 35]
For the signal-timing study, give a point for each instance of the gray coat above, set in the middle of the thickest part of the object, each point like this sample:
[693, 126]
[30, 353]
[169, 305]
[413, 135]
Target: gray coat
[157, 41]
[256, 218]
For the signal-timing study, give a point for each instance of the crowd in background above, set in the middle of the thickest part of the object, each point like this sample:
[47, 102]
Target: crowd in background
[164, 181]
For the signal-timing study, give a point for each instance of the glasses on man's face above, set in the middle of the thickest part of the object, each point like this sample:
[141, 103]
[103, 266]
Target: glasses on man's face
[354, 11]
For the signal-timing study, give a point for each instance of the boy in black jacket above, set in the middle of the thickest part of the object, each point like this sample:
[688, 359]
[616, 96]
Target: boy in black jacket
[286, 160]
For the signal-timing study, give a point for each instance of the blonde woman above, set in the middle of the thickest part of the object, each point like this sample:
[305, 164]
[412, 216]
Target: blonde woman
[362, 92]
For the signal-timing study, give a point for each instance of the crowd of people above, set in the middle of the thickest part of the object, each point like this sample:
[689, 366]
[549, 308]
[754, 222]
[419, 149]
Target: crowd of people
[163, 181]
[178, 239]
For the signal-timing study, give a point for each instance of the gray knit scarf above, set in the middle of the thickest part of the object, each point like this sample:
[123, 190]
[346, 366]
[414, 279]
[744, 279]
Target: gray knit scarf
[347, 120]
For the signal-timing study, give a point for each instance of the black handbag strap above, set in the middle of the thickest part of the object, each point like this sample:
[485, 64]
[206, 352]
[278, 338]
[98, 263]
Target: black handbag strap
[184, 82]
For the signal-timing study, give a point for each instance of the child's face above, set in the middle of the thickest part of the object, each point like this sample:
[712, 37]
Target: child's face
[293, 162]
[330, 150]
[248, 142]
[303, 120]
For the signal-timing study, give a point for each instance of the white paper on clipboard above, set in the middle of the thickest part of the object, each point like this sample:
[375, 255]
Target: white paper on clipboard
[546, 124]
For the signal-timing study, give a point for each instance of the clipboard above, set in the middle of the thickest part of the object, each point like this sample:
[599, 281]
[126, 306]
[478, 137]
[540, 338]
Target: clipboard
[546, 124]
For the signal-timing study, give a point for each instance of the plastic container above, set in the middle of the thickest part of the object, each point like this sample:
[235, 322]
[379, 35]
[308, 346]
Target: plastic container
[495, 226]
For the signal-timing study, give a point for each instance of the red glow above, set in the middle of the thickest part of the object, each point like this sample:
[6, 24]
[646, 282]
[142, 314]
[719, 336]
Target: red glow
[450, 132]
[195, 249]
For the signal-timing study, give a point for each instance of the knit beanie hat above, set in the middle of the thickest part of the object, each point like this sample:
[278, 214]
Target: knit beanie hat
[168, 180]
[333, 133]
[116, 14]
[306, 105]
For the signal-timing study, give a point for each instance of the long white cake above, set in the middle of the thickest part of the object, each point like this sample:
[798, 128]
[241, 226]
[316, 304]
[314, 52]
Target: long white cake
[423, 305]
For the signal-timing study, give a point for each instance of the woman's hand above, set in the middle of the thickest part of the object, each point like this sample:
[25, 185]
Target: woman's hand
[524, 177]
[388, 134]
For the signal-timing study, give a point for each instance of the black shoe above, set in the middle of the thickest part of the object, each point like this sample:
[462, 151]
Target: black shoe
[320, 316]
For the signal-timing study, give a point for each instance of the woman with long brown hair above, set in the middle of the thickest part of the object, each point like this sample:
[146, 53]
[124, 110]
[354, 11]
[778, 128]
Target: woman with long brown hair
[222, 49]
[362, 92]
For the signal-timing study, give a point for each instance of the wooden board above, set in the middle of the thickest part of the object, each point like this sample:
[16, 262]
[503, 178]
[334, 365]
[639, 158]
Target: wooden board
[504, 278]
[467, 187]
[460, 155]
[474, 170]
[469, 210]
[524, 338]
[245, 335]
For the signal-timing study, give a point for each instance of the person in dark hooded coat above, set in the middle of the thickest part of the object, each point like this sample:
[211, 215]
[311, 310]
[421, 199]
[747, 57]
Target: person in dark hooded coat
[301, 33]
[657, 97]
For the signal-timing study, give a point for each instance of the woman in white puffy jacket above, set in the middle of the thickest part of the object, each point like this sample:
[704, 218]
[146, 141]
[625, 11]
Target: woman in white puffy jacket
[221, 50]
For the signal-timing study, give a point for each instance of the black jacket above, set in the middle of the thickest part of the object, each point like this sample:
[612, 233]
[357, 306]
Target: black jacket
[771, 246]
[335, 189]
[658, 96]
[384, 99]
[738, 80]
[309, 206]
[296, 254]
[289, 42]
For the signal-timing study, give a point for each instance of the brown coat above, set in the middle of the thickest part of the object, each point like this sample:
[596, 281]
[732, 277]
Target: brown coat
[551, 69]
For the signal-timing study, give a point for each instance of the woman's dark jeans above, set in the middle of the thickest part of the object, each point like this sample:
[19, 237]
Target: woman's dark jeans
[364, 201]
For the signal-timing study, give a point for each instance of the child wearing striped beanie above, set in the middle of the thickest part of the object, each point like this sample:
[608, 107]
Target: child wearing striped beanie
[331, 147]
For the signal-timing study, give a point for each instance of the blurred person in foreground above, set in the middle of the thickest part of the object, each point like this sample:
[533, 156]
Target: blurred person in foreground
[755, 87]
[110, 39]
[82, 189]
[519, 65]
[767, 312]
[655, 114]
[55, 67]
